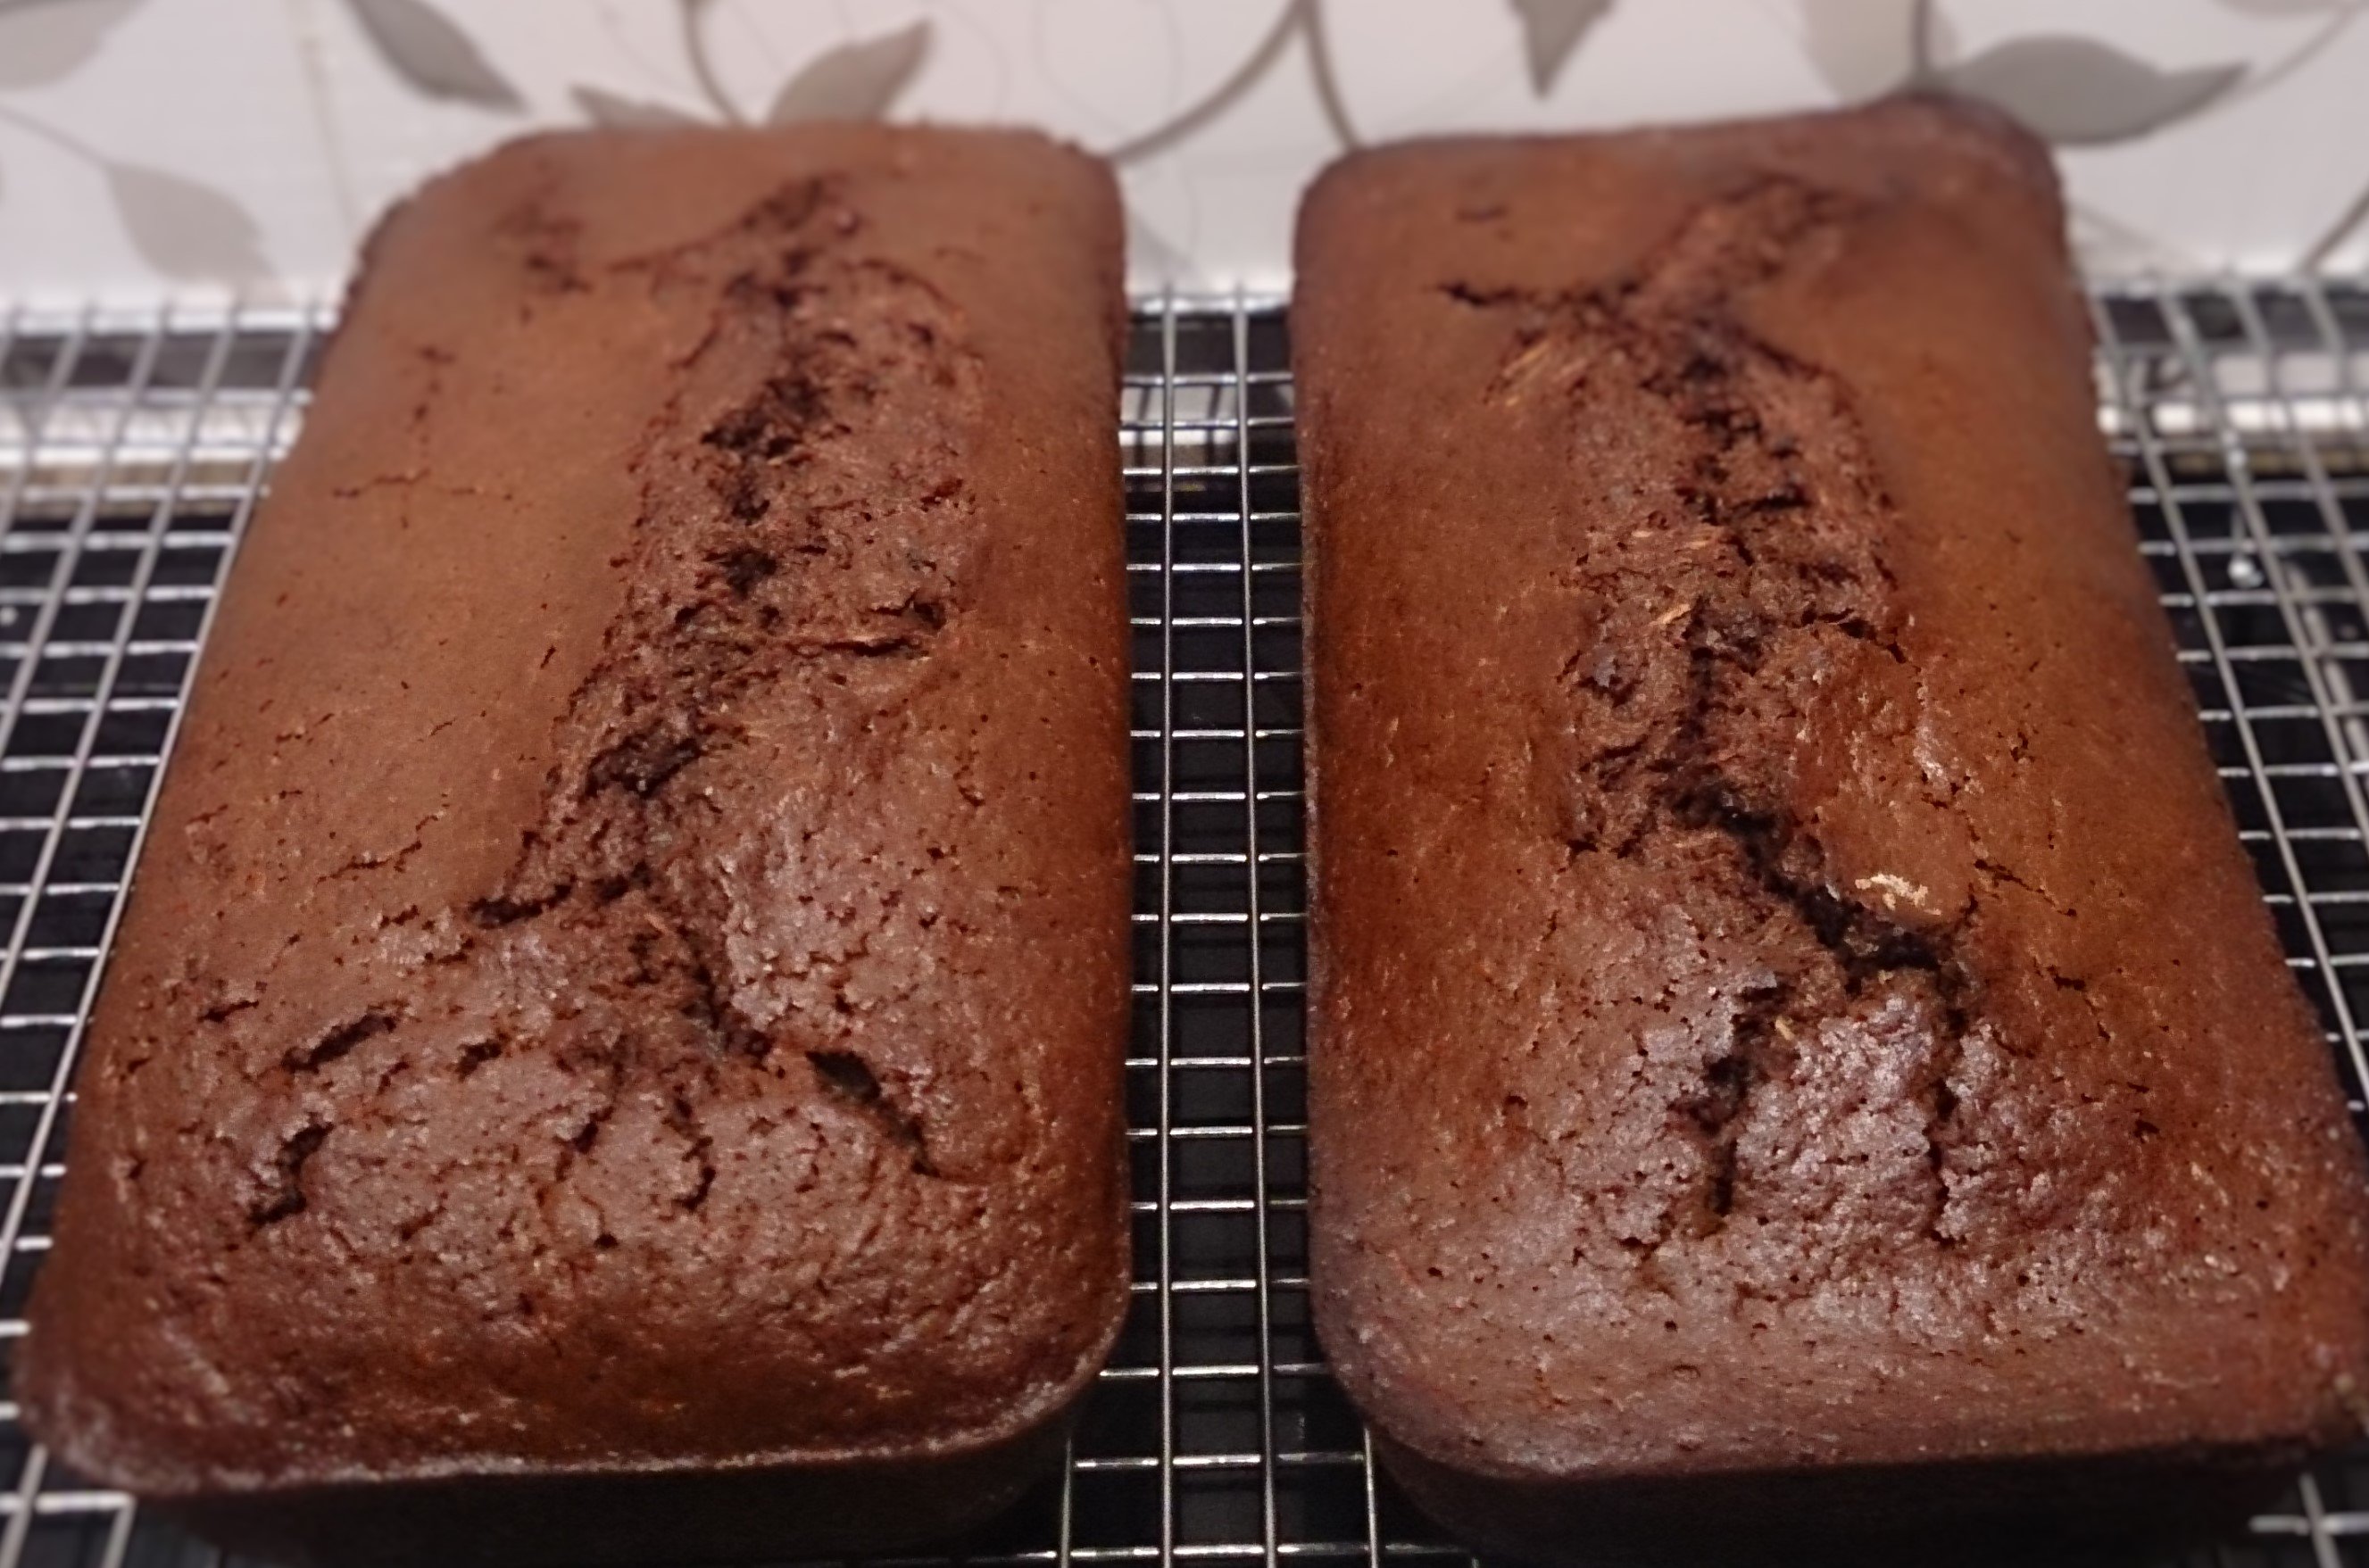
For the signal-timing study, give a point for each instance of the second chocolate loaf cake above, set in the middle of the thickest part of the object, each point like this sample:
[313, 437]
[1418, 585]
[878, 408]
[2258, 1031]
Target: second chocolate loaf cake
[615, 1052]
[1798, 1057]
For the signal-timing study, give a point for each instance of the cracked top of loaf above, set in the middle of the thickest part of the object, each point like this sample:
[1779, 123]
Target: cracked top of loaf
[1787, 988]
[630, 969]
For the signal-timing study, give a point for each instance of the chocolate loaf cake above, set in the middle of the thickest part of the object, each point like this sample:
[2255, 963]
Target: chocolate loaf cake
[1799, 1061]
[615, 1052]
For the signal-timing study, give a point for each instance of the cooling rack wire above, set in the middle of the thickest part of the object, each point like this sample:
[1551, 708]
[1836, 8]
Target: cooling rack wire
[132, 447]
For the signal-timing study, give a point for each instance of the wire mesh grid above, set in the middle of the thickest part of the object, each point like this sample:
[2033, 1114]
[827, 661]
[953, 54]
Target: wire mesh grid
[132, 450]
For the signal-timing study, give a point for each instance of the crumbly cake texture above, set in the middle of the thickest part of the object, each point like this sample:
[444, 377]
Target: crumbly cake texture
[1797, 1045]
[630, 972]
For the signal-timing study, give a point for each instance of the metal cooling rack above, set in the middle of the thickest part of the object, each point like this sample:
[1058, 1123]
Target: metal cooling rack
[132, 449]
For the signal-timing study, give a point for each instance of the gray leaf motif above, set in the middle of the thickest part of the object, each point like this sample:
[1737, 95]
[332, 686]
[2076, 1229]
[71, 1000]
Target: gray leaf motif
[421, 44]
[1551, 31]
[2078, 92]
[185, 229]
[1864, 49]
[608, 108]
[855, 81]
[43, 40]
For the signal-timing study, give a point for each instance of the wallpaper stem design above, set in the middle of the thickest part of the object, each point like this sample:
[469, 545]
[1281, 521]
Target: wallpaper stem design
[42, 131]
[703, 69]
[2129, 75]
[2344, 13]
[857, 80]
[2341, 230]
[1922, 44]
[320, 106]
[1300, 18]
[1321, 72]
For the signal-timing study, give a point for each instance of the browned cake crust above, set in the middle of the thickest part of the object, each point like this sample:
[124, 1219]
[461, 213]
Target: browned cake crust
[1798, 1049]
[629, 977]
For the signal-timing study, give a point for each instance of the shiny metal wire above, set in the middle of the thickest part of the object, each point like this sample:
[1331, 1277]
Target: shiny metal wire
[133, 448]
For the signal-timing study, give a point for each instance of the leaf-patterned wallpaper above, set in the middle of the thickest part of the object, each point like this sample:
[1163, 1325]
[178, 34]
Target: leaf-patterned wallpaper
[167, 147]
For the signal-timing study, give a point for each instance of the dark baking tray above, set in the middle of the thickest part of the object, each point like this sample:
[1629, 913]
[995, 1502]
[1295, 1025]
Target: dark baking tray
[131, 448]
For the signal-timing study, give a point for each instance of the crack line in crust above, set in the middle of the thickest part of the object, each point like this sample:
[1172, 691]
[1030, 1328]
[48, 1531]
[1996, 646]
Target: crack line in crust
[757, 554]
[792, 533]
[850, 1077]
[1747, 588]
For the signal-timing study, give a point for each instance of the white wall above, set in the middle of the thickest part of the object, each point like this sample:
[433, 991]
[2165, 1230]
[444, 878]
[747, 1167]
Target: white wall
[149, 147]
